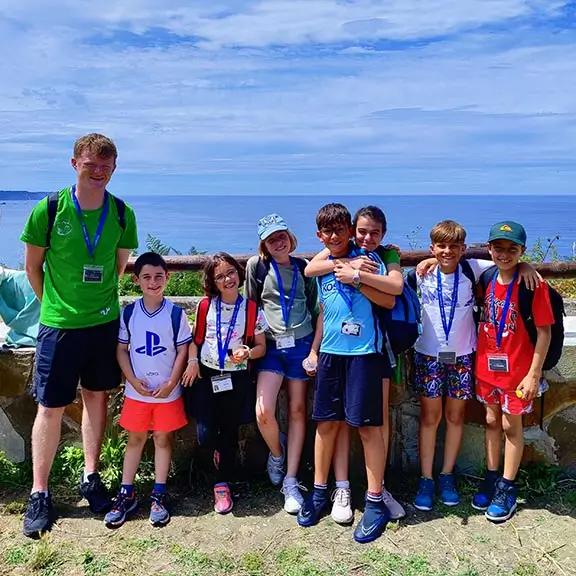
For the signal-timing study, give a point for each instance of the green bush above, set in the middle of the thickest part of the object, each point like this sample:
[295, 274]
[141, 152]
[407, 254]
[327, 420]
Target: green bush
[179, 284]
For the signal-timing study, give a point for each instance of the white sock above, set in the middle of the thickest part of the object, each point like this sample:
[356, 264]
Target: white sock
[343, 484]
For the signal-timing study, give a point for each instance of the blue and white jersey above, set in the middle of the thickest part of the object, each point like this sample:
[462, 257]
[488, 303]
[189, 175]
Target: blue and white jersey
[152, 351]
[337, 311]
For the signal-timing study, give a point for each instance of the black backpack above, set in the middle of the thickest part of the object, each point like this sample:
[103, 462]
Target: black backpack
[52, 203]
[525, 300]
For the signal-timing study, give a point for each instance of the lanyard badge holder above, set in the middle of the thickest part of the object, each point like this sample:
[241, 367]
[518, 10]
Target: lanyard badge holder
[287, 339]
[499, 362]
[223, 382]
[92, 273]
[445, 355]
[349, 326]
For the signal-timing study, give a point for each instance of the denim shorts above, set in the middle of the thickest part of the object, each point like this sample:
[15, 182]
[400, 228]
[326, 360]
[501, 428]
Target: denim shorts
[287, 362]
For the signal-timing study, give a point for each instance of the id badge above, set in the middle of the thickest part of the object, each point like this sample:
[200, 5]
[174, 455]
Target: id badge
[350, 328]
[92, 274]
[222, 383]
[498, 363]
[446, 356]
[285, 341]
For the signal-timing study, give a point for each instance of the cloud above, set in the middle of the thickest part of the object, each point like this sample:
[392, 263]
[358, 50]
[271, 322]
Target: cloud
[341, 90]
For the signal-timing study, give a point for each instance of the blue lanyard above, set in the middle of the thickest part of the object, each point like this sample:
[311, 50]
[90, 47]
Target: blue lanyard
[499, 326]
[346, 297]
[447, 325]
[223, 347]
[286, 309]
[91, 247]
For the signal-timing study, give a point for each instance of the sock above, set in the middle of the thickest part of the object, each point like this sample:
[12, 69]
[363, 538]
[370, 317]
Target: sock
[278, 458]
[86, 473]
[290, 481]
[374, 496]
[159, 488]
[508, 482]
[45, 492]
[127, 489]
[343, 484]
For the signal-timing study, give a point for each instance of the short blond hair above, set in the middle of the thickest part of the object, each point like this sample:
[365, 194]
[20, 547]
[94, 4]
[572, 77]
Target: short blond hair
[448, 231]
[263, 250]
[97, 144]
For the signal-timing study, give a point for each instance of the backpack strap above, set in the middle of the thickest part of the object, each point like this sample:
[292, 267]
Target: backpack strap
[411, 280]
[126, 315]
[251, 319]
[121, 209]
[468, 272]
[176, 318]
[200, 323]
[52, 206]
[262, 268]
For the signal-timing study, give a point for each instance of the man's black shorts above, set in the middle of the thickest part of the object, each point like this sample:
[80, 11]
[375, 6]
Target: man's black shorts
[68, 357]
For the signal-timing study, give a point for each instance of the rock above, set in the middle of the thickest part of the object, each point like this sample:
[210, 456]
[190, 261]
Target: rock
[16, 369]
[11, 443]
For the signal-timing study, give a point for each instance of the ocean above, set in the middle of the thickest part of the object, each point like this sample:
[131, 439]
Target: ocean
[229, 223]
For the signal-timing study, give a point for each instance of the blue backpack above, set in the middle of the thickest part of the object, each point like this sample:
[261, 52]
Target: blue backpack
[400, 326]
[175, 316]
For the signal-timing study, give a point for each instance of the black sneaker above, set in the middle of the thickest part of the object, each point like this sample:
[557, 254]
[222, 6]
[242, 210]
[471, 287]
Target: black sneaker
[95, 492]
[39, 516]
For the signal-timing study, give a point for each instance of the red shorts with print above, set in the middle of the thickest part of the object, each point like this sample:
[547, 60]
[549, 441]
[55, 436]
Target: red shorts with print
[137, 416]
[507, 399]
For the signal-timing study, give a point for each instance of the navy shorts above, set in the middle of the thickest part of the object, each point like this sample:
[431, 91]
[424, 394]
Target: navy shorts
[66, 357]
[287, 362]
[349, 388]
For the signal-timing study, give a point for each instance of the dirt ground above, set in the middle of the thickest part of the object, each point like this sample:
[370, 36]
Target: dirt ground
[258, 538]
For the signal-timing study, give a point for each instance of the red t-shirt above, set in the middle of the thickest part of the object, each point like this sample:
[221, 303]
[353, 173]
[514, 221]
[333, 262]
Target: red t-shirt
[516, 343]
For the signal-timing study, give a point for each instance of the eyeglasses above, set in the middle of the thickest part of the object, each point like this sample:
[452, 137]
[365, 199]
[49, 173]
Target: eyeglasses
[222, 277]
[338, 230]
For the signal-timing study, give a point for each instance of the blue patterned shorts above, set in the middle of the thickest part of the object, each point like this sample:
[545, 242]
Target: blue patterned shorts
[433, 379]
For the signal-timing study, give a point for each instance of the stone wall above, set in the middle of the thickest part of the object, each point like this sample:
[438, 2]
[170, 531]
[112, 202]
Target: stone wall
[555, 443]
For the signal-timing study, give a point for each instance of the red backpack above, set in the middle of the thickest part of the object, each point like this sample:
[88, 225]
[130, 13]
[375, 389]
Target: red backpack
[202, 314]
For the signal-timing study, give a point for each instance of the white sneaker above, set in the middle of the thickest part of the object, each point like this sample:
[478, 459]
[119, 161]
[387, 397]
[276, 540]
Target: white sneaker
[293, 500]
[394, 507]
[341, 509]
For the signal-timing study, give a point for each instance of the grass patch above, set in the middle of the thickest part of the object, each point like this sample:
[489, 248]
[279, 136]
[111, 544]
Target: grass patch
[195, 563]
[17, 555]
[94, 565]
[15, 508]
[252, 563]
[294, 562]
[526, 569]
[385, 564]
[45, 557]
[141, 544]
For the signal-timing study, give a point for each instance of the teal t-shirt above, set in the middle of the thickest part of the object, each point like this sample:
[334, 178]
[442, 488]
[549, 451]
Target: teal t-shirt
[68, 301]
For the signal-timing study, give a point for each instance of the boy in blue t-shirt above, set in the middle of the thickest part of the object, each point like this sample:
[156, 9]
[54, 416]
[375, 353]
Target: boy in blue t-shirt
[349, 378]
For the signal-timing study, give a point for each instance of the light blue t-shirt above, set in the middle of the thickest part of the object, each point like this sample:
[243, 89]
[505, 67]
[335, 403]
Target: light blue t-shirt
[337, 311]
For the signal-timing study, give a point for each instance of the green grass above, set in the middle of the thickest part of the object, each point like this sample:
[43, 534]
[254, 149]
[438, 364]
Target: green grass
[94, 565]
[294, 561]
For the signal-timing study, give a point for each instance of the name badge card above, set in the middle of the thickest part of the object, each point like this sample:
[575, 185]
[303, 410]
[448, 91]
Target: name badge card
[498, 363]
[222, 383]
[285, 341]
[350, 328]
[93, 274]
[446, 356]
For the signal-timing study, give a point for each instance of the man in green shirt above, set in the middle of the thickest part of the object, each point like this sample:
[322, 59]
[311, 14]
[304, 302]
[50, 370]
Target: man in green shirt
[77, 245]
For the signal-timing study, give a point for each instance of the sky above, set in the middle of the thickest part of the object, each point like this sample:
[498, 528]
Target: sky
[293, 96]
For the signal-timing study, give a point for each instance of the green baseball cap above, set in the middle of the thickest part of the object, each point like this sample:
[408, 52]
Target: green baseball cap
[508, 230]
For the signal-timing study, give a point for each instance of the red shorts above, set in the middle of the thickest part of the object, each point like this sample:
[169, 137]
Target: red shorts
[137, 416]
[507, 399]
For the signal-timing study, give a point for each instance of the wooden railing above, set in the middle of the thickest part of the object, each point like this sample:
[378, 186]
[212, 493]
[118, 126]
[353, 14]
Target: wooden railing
[408, 258]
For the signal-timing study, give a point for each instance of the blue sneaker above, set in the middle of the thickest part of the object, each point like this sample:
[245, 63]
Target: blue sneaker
[372, 523]
[485, 493]
[275, 466]
[122, 506]
[313, 508]
[448, 493]
[503, 504]
[159, 516]
[425, 496]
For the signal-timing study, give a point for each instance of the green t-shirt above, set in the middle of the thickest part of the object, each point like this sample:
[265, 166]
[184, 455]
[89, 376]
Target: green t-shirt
[68, 301]
[388, 256]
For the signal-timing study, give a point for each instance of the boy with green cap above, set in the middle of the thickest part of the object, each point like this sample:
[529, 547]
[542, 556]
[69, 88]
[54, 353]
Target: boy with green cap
[508, 367]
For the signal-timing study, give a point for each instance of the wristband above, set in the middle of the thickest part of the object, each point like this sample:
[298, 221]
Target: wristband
[192, 360]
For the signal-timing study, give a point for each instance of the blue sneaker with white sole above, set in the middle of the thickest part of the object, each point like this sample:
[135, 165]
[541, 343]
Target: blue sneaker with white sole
[122, 507]
[503, 504]
[448, 494]
[485, 493]
[425, 496]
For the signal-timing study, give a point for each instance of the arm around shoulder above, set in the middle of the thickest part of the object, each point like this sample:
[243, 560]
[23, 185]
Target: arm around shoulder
[319, 265]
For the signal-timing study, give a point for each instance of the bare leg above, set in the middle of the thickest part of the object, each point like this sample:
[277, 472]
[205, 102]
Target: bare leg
[341, 457]
[385, 428]
[454, 413]
[326, 433]
[296, 424]
[514, 447]
[268, 386]
[430, 416]
[134, 447]
[45, 440]
[162, 455]
[93, 425]
[493, 437]
[374, 456]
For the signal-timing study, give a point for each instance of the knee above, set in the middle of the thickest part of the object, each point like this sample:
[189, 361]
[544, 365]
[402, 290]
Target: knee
[297, 411]
[137, 439]
[493, 421]
[264, 414]
[162, 440]
[430, 418]
[92, 398]
[327, 428]
[455, 417]
[512, 426]
[368, 433]
[49, 414]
